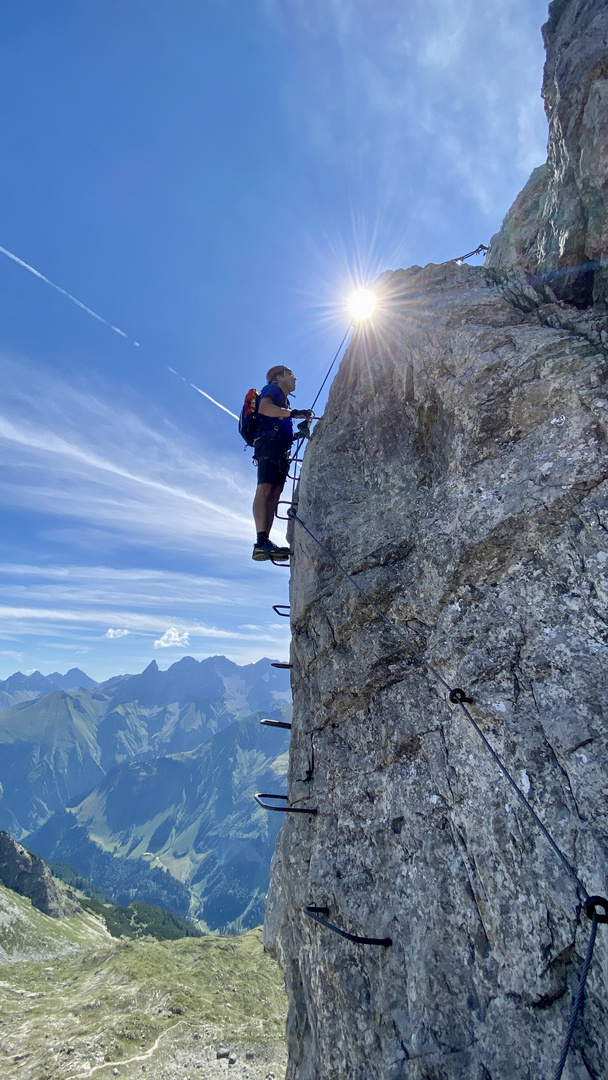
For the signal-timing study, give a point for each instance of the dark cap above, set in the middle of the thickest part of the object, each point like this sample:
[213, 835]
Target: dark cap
[278, 370]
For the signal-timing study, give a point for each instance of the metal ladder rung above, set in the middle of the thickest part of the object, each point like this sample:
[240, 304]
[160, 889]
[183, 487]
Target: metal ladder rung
[282, 809]
[317, 914]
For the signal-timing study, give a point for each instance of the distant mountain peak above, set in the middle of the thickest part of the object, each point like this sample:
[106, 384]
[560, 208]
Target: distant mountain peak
[186, 661]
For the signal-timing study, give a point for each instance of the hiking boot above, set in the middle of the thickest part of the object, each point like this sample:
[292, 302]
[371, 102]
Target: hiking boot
[268, 550]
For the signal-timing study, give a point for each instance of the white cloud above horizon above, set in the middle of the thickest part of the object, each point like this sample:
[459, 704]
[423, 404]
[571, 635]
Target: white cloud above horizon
[115, 616]
[172, 637]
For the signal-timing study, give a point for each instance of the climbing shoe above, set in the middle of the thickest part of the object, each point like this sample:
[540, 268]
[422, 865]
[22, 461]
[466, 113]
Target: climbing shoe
[268, 550]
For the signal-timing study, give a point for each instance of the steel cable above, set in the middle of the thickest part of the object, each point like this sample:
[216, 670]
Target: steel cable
[452, 691]
[458, 697]
[292, 513]
[578, 1001]
[300, 441]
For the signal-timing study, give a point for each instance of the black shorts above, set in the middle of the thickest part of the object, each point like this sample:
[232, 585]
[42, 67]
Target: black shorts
[272, 452]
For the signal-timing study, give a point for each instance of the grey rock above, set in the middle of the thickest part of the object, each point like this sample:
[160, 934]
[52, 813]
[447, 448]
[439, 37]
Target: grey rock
[29, 876]
[558, 226]
[460, 476]
[516, 245]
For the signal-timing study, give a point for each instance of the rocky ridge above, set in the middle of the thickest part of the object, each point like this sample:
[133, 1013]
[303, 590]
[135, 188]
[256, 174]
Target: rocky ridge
[29, 876]
[57, 745]
[460, 477]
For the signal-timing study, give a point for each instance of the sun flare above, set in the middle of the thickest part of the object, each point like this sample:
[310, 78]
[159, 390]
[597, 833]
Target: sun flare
[362, 304]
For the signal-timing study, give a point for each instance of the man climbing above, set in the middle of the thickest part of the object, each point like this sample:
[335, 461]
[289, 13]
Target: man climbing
[272, 450]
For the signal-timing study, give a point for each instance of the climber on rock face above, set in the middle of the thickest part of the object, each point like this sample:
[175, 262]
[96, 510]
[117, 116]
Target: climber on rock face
[272, 450]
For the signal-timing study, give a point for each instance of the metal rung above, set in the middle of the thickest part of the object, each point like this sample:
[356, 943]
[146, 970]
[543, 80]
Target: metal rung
[277, 663]
[283, 502]
[281, 562]
[276, 723]
[317, 914]
[284, 614]
[282, 809]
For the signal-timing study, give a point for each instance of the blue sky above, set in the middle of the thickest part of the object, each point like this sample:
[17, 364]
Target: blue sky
[211, 178]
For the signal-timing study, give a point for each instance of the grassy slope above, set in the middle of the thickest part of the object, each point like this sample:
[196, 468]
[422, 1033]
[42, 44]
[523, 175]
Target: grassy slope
[28, 934]
[157, 1002]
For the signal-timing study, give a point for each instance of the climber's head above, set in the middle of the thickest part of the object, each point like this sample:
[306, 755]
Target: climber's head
[283, 377]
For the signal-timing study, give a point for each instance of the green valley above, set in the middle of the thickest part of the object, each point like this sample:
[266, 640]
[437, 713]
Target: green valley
[85, 1004]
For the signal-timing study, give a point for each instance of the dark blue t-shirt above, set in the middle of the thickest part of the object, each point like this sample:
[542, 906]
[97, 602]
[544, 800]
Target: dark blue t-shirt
[271, 423]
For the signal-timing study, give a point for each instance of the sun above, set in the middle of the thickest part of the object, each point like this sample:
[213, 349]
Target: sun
[362, 304]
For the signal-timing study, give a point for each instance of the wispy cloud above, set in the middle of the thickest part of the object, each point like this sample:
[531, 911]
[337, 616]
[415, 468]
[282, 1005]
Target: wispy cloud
[136, 621]
[119, 614]
[79, 303]
[79, 456]
[448, 88]
[203, 394]
[134, 588]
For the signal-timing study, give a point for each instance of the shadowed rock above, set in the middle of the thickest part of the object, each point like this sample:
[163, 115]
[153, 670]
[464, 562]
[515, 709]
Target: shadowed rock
[557, 227]
[29, 876]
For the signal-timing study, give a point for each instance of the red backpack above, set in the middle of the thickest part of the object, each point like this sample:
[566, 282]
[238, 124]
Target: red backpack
[249, 419]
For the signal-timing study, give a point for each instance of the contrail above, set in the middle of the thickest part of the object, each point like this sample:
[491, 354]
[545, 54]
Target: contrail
[63, 292]
[199, 391]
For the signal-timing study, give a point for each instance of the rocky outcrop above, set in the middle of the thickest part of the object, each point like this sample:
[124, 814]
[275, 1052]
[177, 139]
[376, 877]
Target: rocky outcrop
[558, 226]
[460, 477]
[29, 876]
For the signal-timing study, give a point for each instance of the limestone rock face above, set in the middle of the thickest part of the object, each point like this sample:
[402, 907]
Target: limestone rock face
[558, 226]
[460, 477]
[29, 876]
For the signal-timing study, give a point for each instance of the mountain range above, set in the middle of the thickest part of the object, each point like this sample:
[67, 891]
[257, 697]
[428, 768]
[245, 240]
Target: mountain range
[144, 783]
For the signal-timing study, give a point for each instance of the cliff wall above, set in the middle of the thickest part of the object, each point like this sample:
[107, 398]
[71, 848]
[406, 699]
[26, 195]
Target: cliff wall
[460, 476]
[557, 227]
